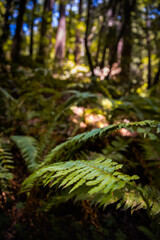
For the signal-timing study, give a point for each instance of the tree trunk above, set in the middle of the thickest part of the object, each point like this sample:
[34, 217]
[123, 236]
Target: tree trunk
[89, 9]
[17, 38]
[68, 31]
[78, 36]
[100, 38]
[5, 28]
[127, 42]
[61, 34]
[110, 37]
[32, 26]
[45, 33]
[148, 49]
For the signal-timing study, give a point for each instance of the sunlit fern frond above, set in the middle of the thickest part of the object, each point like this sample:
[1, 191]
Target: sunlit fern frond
[99, 176]
[65, 150]
[100, 181]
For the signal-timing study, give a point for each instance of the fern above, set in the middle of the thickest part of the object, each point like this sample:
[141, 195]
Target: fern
[151, 155]
[29, 149]
[65, 150]
[100, 176]
[100, 181]
[151, 150]
[129, 106]
[6, 164]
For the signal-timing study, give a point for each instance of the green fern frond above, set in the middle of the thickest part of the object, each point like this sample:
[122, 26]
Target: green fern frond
[100, 175]
[6, 164]
[100, 181]
[65, 150]
[29, 149]
[135, 199]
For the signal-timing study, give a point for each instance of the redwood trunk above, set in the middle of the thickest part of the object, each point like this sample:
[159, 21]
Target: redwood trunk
[61, 35]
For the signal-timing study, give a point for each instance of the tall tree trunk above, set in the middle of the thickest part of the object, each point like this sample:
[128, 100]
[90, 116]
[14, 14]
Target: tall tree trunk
[17, 38]
[44, 33]
[32, 26]
[100, 38]
[69, 29]
[5, 28]
[148, 49]
[61, 34]
[129, 6]
[110, 37]
[78, 35]
[89, 9]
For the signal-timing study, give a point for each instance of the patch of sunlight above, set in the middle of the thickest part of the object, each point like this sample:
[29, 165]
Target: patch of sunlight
[142, 91]
[107, 104]
[86, 117]
[79, 68]
[65, 76]
[86, 80]
[70, 64]
[78, 110]
[117, 103]
[97, 120]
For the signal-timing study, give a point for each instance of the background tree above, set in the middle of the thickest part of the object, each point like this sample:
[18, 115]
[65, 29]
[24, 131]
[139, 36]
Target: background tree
[5, 27]
[78, 41]
[45, 32]
[129, 7]
[18, 34]
[78, 159]
[61, 34]
[32, 28]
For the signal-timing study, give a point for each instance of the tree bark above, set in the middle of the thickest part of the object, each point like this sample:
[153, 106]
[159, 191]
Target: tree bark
[44, 33]
[111, 34]
[127, 41]
[32, 26]
[86, 37]
[68, 31]
[148, 49]
[78, 36]
[61, 35]
[5, 28]
[17, 38]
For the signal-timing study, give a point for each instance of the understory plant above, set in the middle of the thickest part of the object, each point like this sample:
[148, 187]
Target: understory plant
[98, 179]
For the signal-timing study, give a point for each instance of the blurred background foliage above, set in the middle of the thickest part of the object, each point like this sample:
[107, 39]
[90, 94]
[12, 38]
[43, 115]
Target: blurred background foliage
[78, 80]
